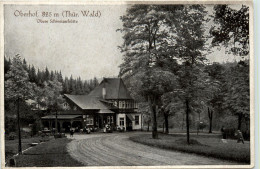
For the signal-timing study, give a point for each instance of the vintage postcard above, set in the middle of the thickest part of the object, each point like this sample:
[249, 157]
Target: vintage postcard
[129, 84]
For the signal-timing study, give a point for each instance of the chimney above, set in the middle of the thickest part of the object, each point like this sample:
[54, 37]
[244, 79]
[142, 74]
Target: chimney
[104, 92]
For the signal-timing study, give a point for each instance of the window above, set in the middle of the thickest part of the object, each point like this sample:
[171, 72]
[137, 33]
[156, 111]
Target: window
[115, 103]
[136, 120]
[123, 104]
[122, 121]
[90, 120]
[120, 104]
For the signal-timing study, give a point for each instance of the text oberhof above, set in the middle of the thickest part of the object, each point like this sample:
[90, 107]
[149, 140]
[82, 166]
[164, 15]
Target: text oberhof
[66, 13]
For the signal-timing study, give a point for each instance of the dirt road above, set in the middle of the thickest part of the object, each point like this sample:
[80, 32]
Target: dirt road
[115, 149]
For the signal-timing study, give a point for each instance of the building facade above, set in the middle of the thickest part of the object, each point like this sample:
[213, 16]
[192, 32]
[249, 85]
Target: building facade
[109, 103]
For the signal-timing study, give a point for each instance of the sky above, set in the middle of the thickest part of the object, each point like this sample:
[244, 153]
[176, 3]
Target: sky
[87, 49]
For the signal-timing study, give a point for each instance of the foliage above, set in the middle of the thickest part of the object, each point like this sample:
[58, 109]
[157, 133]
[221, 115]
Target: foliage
[52, 97]
[155, 36]
[237, 99]
[232, 28]
[189, 28]
[17, 83]
[145, 38]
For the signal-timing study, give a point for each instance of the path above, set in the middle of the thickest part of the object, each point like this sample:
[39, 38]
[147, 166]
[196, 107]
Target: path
[115, 149]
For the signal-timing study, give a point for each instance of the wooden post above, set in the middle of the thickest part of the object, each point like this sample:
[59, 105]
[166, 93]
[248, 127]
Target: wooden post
[187, 121]
[50, 127]
[141, 121]
[102, 121]
[82, 121]
[19, 130]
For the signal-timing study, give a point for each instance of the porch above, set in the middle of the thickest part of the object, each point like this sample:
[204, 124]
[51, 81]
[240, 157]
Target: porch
[64, 122]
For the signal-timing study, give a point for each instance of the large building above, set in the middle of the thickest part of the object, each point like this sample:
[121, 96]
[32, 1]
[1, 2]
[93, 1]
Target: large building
[109, 103]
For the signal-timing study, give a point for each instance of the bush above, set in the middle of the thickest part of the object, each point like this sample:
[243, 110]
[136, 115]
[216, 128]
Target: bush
[11, 136]
[10, 125]
[230, 133]
[202, 125]
[59, 135]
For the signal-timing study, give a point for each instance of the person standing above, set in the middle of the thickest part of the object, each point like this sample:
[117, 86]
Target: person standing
[223, 132]
[240, 137]
[71, 132]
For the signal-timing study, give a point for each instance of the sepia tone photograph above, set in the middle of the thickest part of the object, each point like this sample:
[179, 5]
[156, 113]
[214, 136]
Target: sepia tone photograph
[128, 84]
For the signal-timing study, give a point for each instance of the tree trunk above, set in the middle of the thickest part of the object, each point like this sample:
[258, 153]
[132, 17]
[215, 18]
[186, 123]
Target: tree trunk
[239, 121]
[155, 133]
[19, 130]
[153, 109]
[182, 124]
[166, 123]
[56, 123]
[210, 114]
[187, 121]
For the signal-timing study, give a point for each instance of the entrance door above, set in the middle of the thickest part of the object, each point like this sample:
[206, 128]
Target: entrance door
[129, 124]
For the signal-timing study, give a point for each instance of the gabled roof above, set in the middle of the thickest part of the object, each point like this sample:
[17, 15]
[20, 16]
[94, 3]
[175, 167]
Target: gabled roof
[115, 89]
[87, 102]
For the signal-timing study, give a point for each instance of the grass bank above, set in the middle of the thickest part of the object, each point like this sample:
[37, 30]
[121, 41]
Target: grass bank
[210, 146]
[49, 154]
[11, 146]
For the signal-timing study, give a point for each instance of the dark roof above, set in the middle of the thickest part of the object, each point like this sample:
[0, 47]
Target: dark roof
[87, 102]
[115, 89]
[61, 116]
[70, 112]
